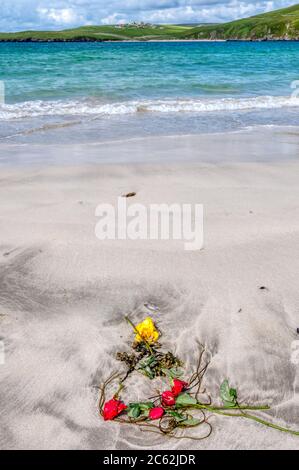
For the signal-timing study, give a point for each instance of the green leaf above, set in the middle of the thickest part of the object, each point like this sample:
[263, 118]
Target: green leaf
[184, 399]
[179, 417]
[144, 406]
[147, 371]
[173, 373]
[148, 362]
[139, 410]
[134, 410]
[146, 365]
[228, 395]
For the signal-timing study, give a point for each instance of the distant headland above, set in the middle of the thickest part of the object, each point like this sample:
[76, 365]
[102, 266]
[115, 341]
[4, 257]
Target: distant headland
[280, 24]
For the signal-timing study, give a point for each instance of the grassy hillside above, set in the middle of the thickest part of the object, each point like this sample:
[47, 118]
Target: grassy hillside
[278, 24]
[102, 33]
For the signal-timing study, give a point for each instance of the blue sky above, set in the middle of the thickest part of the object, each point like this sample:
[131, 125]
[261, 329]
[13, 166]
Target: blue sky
[16, 15]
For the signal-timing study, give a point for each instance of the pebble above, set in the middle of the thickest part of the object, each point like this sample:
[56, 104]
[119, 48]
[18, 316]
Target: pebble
[129, 194]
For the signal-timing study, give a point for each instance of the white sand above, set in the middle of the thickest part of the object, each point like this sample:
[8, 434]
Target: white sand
[64, 294]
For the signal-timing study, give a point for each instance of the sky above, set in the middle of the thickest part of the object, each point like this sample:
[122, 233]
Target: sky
[18, 15]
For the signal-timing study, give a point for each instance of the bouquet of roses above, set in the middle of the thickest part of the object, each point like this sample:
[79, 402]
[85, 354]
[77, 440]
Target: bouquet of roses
[184, 404]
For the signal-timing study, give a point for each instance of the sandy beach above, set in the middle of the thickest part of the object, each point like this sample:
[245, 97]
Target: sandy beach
[64, 293]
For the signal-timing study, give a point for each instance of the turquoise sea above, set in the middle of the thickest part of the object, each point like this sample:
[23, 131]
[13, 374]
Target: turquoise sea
[117, 90]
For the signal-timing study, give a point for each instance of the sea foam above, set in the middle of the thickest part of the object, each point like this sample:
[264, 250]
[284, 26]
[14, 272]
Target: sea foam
[95, 108]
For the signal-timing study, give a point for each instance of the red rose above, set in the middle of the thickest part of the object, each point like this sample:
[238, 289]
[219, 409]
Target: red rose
[156, 413]
[168, 398]
[112, 409]
[178, 387]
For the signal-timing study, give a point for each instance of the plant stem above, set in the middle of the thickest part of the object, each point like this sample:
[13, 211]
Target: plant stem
[223, 408]
[120, 388]
[270, 425]
[224, 411]
[148, 347]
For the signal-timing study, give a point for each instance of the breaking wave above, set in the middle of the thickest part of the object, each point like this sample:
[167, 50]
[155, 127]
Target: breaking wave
[94, 108]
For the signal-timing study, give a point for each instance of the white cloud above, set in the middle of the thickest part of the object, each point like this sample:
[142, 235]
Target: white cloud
[62, 16]
[50, 14]
[115, 18]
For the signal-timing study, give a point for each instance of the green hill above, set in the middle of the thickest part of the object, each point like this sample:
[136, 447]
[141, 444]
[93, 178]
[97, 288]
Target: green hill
[278, 24]
[102, 33]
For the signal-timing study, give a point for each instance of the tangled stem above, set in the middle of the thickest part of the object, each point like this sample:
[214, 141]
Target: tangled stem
[168, 425]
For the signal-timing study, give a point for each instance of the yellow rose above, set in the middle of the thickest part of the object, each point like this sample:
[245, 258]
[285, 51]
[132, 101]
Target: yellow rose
[147, 331]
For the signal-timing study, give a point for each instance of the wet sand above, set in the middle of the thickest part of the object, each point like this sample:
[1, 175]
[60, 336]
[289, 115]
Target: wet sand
[63, 293]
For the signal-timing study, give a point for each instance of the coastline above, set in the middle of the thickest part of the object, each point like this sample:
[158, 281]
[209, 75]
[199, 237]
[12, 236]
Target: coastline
[108, 40]
[281, 24]
[64, 293]
[40, 41]
[264, 144]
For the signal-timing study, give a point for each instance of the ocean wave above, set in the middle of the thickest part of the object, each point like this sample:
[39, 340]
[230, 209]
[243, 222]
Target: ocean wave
[92, 108]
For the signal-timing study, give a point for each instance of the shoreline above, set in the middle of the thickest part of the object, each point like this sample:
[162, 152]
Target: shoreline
[145, 40]
[278, 144]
